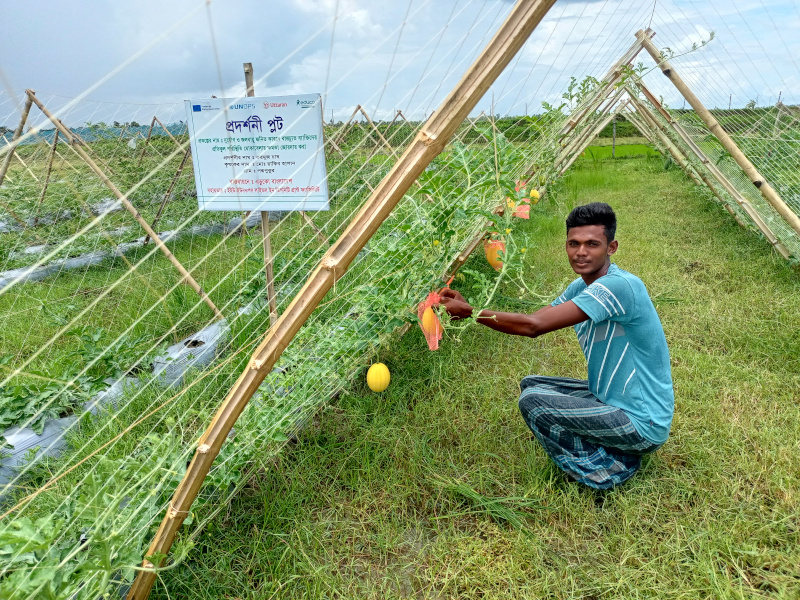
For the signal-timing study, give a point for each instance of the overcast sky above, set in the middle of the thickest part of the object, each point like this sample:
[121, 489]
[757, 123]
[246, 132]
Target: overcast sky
[135, 58]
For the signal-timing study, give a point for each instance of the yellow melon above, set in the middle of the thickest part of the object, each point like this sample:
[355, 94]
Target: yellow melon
[492, 248]
[378, 377]
[430, 322]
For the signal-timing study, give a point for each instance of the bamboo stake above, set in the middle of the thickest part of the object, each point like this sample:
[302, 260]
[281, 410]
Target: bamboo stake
[185, 275]
[340, 135]
[767, 191]
[378, 131]
[698, 177]
[50, 158]
[147, 140]
[646, 133]
[169, 192]
[317, 231]
[268, 261]
[721, 179]
[167, 131]
[427, 144]
[268, 268]
[17, 133]
[153, 122]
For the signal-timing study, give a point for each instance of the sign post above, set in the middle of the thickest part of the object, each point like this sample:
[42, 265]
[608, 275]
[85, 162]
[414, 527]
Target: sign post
[259, 154]
[271, 299]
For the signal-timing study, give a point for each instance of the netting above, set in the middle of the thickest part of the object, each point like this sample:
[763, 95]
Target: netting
[111, 360]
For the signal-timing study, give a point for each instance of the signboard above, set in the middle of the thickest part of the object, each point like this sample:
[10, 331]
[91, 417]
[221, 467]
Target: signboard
[257, 154]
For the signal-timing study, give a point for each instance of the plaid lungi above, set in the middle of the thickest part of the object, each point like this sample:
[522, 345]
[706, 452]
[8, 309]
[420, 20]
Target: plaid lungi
[594, 443]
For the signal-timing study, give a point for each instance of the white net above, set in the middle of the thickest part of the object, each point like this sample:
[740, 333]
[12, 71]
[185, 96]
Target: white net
[112, 366]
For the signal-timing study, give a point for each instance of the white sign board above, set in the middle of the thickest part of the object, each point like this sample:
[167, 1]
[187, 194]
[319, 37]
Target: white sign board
[255, 154]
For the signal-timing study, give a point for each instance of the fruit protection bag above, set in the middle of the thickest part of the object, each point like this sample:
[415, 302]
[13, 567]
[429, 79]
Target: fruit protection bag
[430, 324]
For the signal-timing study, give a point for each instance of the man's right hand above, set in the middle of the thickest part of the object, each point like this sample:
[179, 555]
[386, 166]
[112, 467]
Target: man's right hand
[454, 304]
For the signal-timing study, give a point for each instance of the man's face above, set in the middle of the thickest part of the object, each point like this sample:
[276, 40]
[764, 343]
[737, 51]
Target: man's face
[588, 249]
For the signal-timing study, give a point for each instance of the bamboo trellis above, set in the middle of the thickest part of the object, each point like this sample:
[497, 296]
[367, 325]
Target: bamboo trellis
[77, 146]
[591, 118]
[697, 171]
[428, 143]
[767, 191]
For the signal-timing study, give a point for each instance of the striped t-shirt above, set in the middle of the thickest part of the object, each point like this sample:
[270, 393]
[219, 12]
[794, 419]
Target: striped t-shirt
[625, 348]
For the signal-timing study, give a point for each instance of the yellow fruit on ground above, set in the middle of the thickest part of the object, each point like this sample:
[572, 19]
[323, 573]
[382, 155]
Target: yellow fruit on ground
[378, 377]
[430, 322]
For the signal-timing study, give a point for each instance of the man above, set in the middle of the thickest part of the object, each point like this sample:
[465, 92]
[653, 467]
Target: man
[597, 430]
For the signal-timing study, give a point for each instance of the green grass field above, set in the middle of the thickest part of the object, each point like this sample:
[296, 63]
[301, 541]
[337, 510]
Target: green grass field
[435, 488]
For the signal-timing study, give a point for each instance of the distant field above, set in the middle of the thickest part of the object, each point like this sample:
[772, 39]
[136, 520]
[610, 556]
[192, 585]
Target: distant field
[627, 151]
[621, 141]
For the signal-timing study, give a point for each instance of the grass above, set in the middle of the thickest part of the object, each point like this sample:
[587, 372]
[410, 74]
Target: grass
[435, 489]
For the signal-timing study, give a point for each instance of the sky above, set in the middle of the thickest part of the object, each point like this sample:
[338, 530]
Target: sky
[128, 60]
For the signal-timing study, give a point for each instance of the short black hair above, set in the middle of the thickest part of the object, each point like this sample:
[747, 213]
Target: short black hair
[594, 213]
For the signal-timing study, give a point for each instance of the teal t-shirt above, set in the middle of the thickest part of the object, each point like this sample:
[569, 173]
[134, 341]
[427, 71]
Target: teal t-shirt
[625, 349]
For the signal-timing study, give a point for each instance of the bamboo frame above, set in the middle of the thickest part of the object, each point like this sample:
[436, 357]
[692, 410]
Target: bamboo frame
[767, 191]
[427, 144]
[378, 131]
[657, 129]
[185, 275]
[26, 109]
[721, 179]
[153, 121]
[344, 128]
[164, 200]
[717, 174]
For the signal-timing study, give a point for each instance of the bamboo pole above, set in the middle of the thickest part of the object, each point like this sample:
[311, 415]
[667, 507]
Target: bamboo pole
[697, 176]
[49, 168]
[27, 168]
[185, 275]
[566, 148]
[167, 131]
[26, 109]
[767, 191]
[378, 131]
[427, 144]
[169, 192]
[721, 179]
[317, 231]
[343, 130]
[268, 260]
[147, 140]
